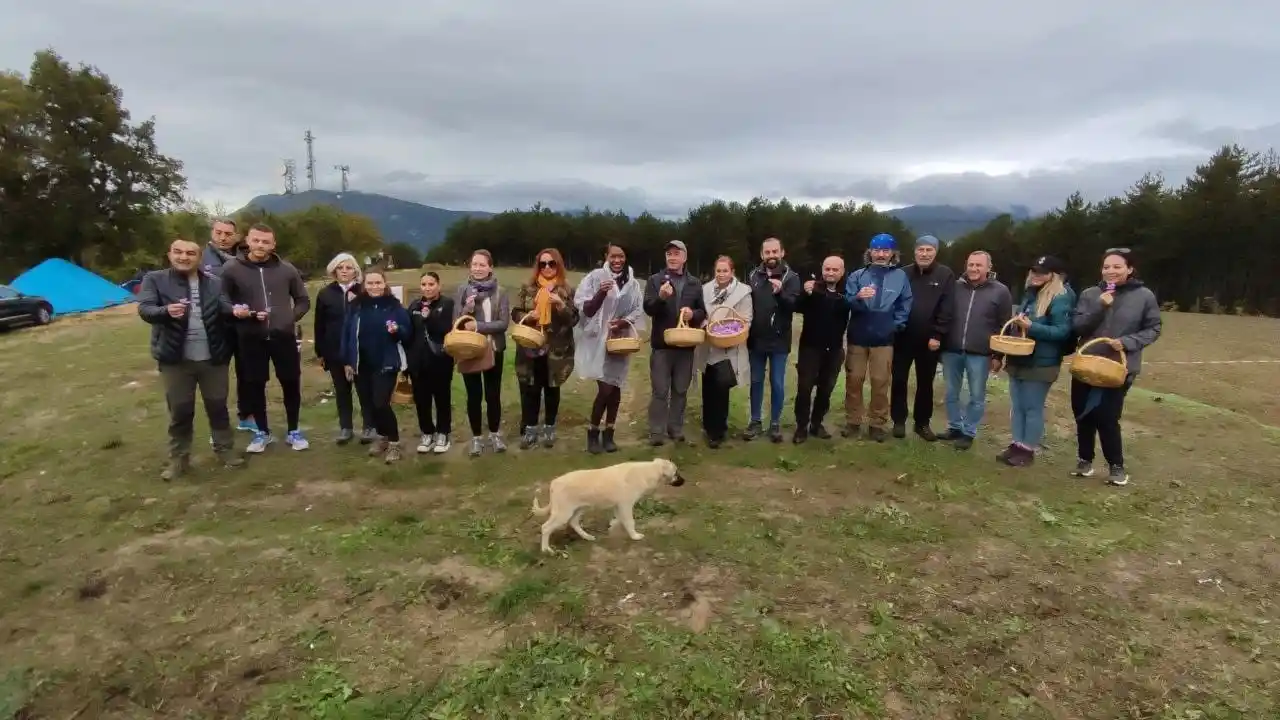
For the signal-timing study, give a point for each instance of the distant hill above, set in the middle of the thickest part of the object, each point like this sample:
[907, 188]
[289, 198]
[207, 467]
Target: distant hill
[421, 226]
[948, 222]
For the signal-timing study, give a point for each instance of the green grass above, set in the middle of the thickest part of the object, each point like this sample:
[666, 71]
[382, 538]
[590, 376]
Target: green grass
[833, 579]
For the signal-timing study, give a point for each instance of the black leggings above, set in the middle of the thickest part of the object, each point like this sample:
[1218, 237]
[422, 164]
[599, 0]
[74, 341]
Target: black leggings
[433, 389]
[1101, 422]
[532, 395]
[485, 386]
[608, 400]
[378, 387]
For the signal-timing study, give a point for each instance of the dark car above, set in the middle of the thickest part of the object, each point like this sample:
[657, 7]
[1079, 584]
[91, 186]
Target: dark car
[19, 309]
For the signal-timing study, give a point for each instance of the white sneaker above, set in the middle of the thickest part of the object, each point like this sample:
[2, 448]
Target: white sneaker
[427, 443]
[297, 440]
[259, 442]
[442, 444]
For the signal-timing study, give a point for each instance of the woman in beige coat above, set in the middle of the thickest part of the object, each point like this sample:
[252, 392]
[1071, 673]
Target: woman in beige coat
[722, 370]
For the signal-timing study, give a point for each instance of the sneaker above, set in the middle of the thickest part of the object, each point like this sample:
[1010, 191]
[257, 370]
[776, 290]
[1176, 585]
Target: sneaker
[393, 453]
[427, 443]
[593, 441]
[377, 447]
[475, 447]
[443, 445]
[952, 434]
[606, 441]
[926, 433]
[248, 425]
[345, 435]
[548, 436]
[657, 441]
[820, 432]
[1084, 469]
[851, 430]
[530, 437]
[964, 442]
[1004, 455]
[1117, 476]
[775, 433]
[753, 431]
[801, 434]
[499, 445]
[229, 459]
[297, 440]
[714, 443]
[1022, 457]
[368, 435]
[877, 434]
[259, 442]
[899, 430]
[178, 466]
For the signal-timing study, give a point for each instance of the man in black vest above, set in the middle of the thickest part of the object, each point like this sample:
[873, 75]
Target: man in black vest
[190, 340]
[932, 285]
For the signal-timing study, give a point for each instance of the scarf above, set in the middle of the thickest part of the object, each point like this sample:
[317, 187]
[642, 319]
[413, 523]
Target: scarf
[482, 290]
[542, 301]
[721, 294]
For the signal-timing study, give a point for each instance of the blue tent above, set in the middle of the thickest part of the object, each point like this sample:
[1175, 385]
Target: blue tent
[70, 288]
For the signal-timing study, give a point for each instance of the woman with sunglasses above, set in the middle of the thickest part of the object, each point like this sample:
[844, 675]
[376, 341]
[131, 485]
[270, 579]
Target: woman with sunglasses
[1126, 312]
[548, 300]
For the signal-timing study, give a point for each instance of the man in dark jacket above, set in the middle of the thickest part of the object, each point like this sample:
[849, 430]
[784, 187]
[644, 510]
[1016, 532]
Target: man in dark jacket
[982, 306]
[191, 343]
[269, 298]
[668, 296]
[224, 246]
[774, 292]
[826, 315]
[931, 287]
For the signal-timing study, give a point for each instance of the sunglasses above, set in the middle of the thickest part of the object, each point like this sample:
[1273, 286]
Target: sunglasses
[1121, 250]
[546, 263]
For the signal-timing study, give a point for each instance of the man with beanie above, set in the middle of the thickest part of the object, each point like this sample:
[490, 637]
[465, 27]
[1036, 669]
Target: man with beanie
[932, 285]
[774, 291]
[879, 296]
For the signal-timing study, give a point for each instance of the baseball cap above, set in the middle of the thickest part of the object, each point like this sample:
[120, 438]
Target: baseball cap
[1049, 264]
[677, 244]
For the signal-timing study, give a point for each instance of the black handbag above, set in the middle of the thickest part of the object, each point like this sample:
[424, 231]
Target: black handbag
[720, 375]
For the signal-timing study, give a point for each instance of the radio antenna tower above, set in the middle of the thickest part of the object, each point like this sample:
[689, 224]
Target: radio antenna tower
[311, 159]
[290, 175]
[345, 170]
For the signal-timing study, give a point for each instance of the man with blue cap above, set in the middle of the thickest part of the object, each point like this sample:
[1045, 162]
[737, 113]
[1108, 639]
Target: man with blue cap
[932, 285]
[879, 295]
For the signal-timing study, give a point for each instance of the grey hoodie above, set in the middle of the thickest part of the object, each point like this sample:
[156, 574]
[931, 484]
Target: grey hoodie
[1133, 319]
[979, 312]
[272, 285]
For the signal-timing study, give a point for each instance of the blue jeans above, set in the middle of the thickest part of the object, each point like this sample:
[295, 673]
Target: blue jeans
[777, 363]
[1026, 418]
[960, 368]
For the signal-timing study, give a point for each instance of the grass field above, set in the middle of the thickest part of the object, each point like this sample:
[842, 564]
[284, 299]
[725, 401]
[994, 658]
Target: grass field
[839, 579]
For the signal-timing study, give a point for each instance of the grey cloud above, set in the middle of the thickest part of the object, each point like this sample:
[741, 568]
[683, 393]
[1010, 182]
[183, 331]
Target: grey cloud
[496, 197]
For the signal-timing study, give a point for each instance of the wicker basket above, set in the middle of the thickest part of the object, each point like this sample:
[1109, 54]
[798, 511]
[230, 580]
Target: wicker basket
[1019, 345]
[403, 394]
[682, 336]
[528, 336]
[1096, 370]
[464, 344]
[626, 344]
[727, 340]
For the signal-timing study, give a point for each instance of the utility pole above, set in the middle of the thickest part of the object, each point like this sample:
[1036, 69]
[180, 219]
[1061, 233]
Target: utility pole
[311, 159]
[345, 170]
[290, 177]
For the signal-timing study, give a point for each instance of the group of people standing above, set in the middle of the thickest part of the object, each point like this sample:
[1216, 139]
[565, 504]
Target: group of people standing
[877, 323]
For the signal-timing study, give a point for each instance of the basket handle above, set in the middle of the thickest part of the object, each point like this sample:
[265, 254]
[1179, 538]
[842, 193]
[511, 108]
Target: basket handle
[680, 323]
[524, 317]
[733, 314]
[1006, 327]
[460, 321]
[631, 325]
[1124, 360]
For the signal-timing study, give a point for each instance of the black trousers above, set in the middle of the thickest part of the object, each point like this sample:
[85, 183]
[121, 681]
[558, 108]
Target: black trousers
[258, 355]
[342, 389]
[1101, 423]
[533, 394]
[433, 395]
[485, 388]
[908, 353]
[715, 402]
[817, 370]
[242, 407]
[378, 387]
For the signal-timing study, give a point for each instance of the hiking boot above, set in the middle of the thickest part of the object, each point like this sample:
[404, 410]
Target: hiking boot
[1084, 469]
[443, 444]
[178, 466]
[1021, 457]
[1004, 455]
[606, 441]
[368, 435]
[899, 430]
[952, 435]
[548, 436]
[657, 441]
[851, 430]
[593, 441]
[775, 433]
[819, 431]
[714, 442]
[497, 443]
[475, 447]
[800, 435]
[529, 438]
[878, 434]
[378, 447]
[926, 433]
[345, 435]
[229, 459]
[964, 442]
[393, 453]
[753, 430]
[1117, 476]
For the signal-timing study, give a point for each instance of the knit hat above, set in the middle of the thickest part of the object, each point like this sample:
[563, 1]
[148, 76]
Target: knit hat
[883, 241]
[928, 240]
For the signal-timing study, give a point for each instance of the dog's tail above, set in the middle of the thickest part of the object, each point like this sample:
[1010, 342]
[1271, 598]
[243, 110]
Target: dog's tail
[539, 509]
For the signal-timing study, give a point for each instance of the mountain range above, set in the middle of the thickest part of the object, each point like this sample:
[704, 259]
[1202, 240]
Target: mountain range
[424, 226]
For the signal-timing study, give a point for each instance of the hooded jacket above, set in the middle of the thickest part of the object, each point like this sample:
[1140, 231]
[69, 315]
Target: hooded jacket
[874, 322]
[1133, 319]
[772, 312]
[272, 285]
[365, 336]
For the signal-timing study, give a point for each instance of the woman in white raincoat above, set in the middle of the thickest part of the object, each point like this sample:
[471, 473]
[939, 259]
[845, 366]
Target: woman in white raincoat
[722, 370]
[610, 303]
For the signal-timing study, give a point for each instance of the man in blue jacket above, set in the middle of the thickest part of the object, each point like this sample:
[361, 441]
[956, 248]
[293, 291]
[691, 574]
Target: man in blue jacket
[879, 295]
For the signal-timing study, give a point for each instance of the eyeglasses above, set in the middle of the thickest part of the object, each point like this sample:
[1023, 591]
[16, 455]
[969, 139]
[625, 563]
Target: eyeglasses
[546, 263]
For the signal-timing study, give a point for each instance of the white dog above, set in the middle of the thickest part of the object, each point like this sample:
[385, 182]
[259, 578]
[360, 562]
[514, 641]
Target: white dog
[619, 486]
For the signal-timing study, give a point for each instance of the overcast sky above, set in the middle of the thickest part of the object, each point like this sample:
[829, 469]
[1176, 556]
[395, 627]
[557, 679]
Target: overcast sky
[660, 104]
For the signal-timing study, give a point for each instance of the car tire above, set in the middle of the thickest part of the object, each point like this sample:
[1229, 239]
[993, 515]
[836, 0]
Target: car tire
[43, 316]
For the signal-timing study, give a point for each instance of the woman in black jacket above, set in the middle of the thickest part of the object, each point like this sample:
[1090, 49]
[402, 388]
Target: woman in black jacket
[331, 308]
[430, 367]
[374, 336]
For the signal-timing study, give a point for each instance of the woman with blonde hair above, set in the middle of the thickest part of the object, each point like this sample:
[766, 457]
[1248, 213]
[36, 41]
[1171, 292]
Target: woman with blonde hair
[548, 299]
[1045, 316]
[722, 369]
[484, 301]
[332, 304]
